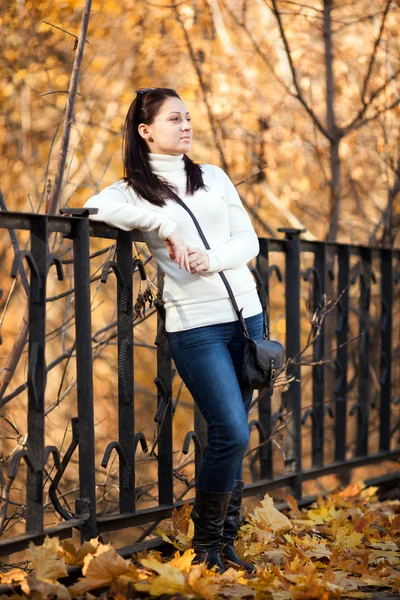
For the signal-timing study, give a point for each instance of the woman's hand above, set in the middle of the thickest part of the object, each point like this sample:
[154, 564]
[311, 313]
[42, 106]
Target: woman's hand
[177, 250]
[198, 260]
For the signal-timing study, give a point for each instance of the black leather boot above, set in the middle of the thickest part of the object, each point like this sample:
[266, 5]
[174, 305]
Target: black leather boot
[231, 527]
[208, 516]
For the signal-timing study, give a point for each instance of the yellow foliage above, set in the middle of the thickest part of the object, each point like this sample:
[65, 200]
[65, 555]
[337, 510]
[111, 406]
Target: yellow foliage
[326, 561]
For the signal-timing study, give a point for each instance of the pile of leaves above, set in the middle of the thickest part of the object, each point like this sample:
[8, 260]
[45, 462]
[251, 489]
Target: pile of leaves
[346, 545]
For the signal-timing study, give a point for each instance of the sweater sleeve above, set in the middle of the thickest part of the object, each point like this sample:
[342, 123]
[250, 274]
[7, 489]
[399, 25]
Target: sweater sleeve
[115, 209]
[243, 244]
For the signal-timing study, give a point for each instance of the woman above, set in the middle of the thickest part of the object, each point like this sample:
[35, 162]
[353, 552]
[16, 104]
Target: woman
[203, 331]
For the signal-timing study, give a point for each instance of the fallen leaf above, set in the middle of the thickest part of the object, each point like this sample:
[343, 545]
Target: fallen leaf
[267, 515]
[39, 588]
[352, 491]
[183, 562]
[169, 581]
[47, 560]
[100, 570]
[344, 539]
[73, 556]
[13, 576]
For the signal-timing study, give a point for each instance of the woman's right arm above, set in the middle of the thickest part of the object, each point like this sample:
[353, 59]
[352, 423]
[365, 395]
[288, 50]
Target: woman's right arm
[115, 210]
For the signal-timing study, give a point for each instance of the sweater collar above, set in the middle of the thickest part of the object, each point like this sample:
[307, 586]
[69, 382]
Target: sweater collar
[166, 163]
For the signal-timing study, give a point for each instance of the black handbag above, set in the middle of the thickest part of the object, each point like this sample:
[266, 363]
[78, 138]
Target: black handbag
[263, 358]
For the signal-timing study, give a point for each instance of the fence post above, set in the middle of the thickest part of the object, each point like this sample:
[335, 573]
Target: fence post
[84, 371]
[386, 348]
[36, 373]
[340, 386]
[318, 370]
[164, 399]
[292, 398]
[363, 403]
[264, 396]
[126, 424]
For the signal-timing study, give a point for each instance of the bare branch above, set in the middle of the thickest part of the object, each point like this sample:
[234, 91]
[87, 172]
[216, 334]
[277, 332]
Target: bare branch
[358, 120]
[376, 115]
[22, 335]
[299, 93]
[58, 92]
[203, 85]
[256, 46]
[65, 31]
[69, 113]
[373, 54]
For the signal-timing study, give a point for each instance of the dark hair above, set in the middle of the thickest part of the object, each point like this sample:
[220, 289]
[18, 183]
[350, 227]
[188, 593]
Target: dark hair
[137, 169]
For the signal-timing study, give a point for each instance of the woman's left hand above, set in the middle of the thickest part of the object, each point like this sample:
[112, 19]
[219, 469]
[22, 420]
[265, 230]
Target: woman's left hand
[198, 259]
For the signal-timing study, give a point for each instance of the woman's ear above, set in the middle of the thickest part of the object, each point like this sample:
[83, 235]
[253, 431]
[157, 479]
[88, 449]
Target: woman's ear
[144, 132]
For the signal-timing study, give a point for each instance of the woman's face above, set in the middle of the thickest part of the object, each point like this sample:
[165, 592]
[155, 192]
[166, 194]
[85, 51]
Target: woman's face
[170, 131]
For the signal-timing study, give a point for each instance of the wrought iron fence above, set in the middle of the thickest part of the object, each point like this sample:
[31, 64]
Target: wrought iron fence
[333, 271]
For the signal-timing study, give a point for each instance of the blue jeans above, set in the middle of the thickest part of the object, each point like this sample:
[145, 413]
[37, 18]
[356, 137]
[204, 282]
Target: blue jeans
[209, 361]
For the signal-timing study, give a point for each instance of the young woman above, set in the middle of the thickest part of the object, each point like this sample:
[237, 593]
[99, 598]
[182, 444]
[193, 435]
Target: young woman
[204, 334]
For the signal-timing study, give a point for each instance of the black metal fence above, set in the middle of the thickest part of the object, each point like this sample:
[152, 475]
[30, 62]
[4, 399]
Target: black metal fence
[353, 391]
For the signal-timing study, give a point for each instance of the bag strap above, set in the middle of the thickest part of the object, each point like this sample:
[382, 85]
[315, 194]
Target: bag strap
[221, 274]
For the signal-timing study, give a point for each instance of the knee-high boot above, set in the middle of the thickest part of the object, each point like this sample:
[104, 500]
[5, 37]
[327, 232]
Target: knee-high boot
[231, 526]
[208, 515]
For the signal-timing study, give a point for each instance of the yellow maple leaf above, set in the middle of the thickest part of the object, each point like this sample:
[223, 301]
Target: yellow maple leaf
[183, 562]
[121, 588]
[319, 515]
[294, 507]
[267, 515]
[352, 491]
[180, 529]
[169, 540]
[369, 493]
[308, 586]
[74, 556]
[47, 560]
[181, 518]
[100, 569]
[13, 576]
[201, 585]
[40, 588]
[344, 539]
[252, 541]
[210, 585]
[170, 579]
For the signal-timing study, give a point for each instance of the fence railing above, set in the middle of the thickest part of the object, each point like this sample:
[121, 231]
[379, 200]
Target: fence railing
[340, 393]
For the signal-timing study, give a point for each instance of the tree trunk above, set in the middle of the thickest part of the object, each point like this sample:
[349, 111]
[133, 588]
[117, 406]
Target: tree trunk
[335, 192]
[333, 131]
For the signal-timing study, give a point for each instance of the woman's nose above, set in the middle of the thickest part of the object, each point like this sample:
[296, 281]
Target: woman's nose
[186, 125]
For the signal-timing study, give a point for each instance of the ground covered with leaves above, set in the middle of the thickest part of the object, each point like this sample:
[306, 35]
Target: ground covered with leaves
[346, 545]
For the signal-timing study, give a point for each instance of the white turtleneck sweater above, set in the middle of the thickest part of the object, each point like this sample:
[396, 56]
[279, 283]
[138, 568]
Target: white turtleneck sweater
[191, 300]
